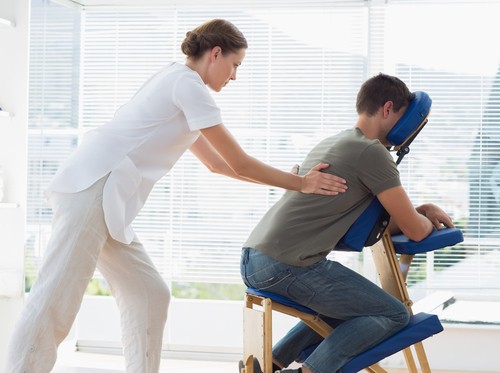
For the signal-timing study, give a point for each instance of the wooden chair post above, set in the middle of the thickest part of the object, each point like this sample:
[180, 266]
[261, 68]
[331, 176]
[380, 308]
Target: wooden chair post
[257, 332]
[392, 274]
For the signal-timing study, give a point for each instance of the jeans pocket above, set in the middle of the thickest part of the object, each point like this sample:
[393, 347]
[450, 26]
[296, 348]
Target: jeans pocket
[269, 277]
[243, 266]
[300, 292]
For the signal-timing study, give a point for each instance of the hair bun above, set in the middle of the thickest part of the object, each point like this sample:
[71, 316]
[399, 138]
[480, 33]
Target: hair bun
[213, 33]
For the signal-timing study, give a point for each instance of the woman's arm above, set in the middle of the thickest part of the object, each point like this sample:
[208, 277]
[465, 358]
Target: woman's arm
[212, 160]
[247, 167]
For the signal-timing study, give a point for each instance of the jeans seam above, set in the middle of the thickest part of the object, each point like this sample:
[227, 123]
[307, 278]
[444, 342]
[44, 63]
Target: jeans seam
[288, 274]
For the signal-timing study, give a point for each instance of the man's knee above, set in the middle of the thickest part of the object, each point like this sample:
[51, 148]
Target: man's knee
[403, 317]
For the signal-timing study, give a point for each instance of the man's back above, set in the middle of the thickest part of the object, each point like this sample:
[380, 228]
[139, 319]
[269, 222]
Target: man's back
[301, 229]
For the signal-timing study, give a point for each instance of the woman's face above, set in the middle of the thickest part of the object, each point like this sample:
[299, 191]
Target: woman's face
[223, 67]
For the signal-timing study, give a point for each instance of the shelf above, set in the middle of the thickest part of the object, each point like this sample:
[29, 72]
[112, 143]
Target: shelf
[5, 114]
[8, 205]
[6, 22]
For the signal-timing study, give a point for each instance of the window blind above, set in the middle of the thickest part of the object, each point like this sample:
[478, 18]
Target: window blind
[446, 50]
[295, 86]
[53, 114]
[298, 84]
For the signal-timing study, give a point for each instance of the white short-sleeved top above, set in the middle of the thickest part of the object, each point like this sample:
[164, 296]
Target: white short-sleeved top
[140, 144]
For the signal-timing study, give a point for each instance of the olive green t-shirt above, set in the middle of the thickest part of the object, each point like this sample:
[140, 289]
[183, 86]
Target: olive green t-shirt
[301, 229]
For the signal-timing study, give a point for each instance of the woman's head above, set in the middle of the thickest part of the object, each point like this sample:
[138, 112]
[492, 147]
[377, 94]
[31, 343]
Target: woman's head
[378, 90]
[215, 50]
[217, 32]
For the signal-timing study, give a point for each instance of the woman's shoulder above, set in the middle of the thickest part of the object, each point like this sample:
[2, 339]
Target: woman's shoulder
[179, 71]
[174, 78]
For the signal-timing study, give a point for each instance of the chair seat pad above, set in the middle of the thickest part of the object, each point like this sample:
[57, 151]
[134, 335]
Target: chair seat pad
[420, 327]
[436, 240]
[280, 299]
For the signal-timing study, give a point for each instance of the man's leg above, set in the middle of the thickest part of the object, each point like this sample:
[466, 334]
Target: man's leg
[288, 349]
[142, 298]
[78, 235]
[298, 339]
[265, 273]
[369, 313]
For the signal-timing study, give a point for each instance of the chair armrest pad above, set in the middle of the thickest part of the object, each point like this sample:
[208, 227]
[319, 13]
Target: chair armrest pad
[436, 240]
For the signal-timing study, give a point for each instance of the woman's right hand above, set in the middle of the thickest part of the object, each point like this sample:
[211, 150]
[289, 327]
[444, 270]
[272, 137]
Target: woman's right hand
[246, 167]
[317, 182]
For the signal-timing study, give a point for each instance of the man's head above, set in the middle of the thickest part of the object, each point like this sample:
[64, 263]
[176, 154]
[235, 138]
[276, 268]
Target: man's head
[380, 89]
[381, 101]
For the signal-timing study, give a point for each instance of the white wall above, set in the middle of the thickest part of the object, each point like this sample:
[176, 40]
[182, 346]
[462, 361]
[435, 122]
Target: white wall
[213, 329]
[460, 347]
[193, 325]
[14, 60]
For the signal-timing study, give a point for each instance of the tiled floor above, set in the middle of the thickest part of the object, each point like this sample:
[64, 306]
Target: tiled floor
[107, 364]
[70, 361]
[96, 363]
[79, 362]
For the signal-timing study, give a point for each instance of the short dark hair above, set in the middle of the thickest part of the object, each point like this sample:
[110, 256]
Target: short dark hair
[377, 90]
[217, 32]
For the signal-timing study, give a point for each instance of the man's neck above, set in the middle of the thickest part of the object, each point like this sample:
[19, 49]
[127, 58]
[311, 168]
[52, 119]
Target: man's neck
[369, 126]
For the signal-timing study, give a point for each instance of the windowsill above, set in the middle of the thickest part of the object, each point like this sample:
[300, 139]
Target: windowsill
[6, 23]
[8, 205]
[473, 313]
[452, 309]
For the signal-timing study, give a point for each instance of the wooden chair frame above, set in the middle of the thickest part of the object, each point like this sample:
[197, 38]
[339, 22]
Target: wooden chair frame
[258, 321]
[392, 273]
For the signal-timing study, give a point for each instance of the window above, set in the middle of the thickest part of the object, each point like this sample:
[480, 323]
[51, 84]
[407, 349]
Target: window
[53, 126]
[298, 83]
[455, 160]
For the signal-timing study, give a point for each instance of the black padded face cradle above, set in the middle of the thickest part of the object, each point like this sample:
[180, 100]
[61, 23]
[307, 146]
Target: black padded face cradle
[414, 118]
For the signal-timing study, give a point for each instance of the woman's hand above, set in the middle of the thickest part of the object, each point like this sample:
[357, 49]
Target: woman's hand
[318, 182]
[246, 167]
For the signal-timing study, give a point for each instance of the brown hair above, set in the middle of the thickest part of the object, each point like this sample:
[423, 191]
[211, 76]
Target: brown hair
[217, 32]
[376, 91]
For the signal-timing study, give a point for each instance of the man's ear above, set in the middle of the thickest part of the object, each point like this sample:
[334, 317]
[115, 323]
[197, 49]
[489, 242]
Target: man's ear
[215, 53]
[386, 110]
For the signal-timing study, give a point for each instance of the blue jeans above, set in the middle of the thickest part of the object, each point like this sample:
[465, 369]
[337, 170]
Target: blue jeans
[361, 312]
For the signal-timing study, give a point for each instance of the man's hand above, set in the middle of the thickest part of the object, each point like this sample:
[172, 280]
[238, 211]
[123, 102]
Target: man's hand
[436, 215]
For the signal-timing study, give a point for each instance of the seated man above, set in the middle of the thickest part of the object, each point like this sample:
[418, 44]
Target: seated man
[286, 252]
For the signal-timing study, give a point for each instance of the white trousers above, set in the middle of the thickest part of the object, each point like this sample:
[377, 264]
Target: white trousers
[79, 243]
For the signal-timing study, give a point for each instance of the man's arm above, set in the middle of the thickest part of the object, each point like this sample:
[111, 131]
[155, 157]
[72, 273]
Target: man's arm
[415, 223]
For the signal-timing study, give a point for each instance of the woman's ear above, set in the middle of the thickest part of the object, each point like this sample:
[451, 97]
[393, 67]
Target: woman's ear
[215, 53]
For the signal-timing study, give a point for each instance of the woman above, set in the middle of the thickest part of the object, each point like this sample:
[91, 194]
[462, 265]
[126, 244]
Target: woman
[101, 188]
